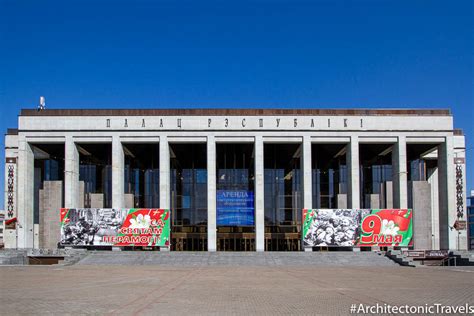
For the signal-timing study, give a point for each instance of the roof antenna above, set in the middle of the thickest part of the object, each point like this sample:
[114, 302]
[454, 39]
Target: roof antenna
[42, 104]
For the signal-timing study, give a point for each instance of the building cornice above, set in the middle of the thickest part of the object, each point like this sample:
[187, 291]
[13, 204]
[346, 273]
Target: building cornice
[235, 112]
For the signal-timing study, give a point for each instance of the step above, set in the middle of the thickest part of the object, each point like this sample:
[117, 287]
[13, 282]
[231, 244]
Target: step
[225, 258]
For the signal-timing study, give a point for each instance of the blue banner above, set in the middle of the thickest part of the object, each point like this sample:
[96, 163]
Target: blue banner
[235, 208]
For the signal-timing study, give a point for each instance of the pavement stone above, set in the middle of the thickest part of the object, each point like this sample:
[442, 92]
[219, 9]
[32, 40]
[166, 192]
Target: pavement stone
[224, 290]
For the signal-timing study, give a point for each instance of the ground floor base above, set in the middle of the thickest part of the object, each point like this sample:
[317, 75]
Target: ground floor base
[227, 289]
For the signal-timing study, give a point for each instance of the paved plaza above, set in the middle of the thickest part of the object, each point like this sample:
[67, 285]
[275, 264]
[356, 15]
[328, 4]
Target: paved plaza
[238, 290]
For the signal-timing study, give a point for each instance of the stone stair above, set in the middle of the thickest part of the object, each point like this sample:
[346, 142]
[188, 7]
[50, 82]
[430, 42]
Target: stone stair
[23, 256]
[463, 257]
[72, 257]
[13, 257]
[333, 259]
[402, 259]
[458, 258]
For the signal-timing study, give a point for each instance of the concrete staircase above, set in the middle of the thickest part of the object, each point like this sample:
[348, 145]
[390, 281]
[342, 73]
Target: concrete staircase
[13, 257]
[463, 257]
[458, 258]
[72, 257]
[22, 257]
[329, 259]
[403, 260]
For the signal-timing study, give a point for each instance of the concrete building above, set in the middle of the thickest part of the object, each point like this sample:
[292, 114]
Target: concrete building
[282, 161]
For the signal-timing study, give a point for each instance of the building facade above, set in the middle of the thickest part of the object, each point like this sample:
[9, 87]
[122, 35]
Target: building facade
[235, 179]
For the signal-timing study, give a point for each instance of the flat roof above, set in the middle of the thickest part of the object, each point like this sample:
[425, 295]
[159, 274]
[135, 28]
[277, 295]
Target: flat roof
[12, 131]
[233, 112]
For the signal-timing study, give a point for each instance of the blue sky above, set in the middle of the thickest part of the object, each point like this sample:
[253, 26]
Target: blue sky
[308, 54]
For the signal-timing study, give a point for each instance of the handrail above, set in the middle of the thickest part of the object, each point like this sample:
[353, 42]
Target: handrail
[34, 259]
[448, 260]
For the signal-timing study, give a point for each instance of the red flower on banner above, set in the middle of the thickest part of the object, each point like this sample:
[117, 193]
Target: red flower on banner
[400, 217]
[63, 213]
[144, 223]
[158, 212]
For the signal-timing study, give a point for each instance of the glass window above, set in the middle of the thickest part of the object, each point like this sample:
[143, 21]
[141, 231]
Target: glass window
[329, 174]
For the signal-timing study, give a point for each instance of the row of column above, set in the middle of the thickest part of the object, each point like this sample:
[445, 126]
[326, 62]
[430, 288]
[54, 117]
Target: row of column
[399, 157]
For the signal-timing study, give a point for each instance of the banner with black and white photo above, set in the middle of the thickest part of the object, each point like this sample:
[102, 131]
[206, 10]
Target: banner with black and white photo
[357, 227]
[115, 227]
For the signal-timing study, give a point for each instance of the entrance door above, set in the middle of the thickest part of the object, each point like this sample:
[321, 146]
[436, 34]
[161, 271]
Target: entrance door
[283, 199]
[235, 197]
[188, 197]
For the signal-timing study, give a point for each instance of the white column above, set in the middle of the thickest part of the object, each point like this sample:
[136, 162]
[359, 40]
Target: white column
[307, 172]
[399, 165]
[25, 208]
[447, 189]
[353, 172]
[71, 174]
[118, 177]
[165, 190]
[259, 195]
[434, 184]
[211, 194]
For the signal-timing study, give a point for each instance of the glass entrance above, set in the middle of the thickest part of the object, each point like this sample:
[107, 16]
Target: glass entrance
[283, 200]
[188, 197]
[235, 197]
